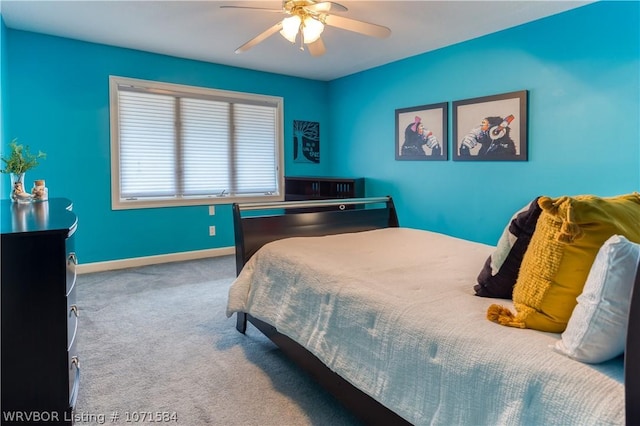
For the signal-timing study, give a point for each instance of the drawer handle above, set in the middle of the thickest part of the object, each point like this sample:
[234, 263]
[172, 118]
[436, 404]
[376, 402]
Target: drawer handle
[76, 383]
[74, 309]
[73, 258]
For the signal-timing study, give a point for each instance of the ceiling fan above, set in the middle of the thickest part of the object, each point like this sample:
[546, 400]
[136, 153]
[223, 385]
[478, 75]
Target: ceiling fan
[306, 22]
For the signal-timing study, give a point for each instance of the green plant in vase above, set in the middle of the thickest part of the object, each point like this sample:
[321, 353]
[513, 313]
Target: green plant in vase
[19, 161]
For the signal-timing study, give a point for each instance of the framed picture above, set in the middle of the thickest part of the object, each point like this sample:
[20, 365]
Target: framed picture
[421, 133]
[306, 142]
[491, 128]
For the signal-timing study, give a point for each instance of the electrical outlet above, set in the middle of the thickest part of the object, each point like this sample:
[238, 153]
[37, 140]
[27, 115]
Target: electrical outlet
[212, 210]
[212, 231]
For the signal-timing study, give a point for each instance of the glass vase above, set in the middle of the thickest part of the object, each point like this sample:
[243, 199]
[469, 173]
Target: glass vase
[18, 193]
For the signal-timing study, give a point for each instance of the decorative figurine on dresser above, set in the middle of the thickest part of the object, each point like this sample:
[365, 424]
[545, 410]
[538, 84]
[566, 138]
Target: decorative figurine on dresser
[40, 367]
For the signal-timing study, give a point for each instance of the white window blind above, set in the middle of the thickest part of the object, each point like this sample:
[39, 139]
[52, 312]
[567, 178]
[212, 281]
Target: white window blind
[206, 132]
[175, 145]
[147, 145]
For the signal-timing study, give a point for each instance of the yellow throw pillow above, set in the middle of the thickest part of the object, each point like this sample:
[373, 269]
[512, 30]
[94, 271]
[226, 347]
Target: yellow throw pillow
[568, 235]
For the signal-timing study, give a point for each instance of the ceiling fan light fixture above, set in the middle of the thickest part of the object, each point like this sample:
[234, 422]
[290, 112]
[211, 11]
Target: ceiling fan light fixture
[290, 28]
[311, 30]
[306, 22]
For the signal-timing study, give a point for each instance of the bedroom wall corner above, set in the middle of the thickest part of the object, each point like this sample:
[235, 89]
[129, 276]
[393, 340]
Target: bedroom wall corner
[59, 102]
[582, 71]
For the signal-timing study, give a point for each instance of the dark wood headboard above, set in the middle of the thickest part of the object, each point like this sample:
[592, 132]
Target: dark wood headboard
[275, 221]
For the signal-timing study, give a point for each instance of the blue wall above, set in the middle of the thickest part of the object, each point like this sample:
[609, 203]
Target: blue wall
[59, 103]
[581, 69]
[3, 84]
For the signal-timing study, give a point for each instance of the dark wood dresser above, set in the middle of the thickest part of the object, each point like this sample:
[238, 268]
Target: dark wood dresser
[40, 368]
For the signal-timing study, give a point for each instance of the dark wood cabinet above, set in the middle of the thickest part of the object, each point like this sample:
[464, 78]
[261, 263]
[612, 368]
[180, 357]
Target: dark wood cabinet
[39, 366]
[319, 188]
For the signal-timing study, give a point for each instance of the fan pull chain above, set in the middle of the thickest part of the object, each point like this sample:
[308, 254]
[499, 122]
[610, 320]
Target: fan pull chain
[301, 34]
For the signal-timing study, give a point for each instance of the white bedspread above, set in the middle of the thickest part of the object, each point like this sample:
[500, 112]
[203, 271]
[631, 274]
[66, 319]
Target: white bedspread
[393, 312]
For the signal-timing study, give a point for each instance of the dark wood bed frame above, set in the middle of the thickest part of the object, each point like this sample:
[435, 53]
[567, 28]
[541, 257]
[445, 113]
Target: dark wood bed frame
[327, 217]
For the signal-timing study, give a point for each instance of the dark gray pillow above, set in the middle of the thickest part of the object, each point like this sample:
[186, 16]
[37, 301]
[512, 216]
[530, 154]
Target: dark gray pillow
[500, 271]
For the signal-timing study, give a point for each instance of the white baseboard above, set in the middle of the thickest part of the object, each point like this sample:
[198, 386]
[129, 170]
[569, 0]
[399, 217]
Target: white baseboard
[85, 268]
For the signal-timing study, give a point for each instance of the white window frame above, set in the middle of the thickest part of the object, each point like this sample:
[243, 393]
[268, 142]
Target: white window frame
[120, 203]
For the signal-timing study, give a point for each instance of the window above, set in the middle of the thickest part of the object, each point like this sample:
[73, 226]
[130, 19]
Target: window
[182, 145]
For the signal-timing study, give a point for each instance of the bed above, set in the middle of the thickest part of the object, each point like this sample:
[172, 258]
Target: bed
[386, 319]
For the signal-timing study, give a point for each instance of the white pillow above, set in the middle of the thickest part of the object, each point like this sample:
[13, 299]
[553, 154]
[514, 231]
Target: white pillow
[597, 329]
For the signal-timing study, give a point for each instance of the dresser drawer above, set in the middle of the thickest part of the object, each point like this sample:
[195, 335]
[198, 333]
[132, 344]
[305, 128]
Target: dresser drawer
[72, 318]
[72, 262]
[74, 376]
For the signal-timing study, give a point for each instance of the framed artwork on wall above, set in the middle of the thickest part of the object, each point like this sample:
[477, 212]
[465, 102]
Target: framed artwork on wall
[421, 133]
[491, 128]
[306, 142]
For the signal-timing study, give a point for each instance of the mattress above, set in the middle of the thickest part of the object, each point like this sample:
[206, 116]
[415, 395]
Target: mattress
[393, 312]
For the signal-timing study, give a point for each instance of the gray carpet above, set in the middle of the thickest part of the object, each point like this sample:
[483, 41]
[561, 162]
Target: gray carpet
[155, 341]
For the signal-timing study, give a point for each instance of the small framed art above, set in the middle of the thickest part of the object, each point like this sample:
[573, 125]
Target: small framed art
[421, 133]
[306, 142]
[491, 128]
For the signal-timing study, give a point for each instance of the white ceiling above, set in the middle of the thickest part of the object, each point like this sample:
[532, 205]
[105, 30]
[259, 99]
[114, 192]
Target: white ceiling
[203, 31]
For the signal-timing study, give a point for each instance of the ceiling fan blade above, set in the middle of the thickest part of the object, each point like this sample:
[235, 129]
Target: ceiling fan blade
[361, 27]
[260, 38]
[263, 9]
[326, 6]
[317, 48]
